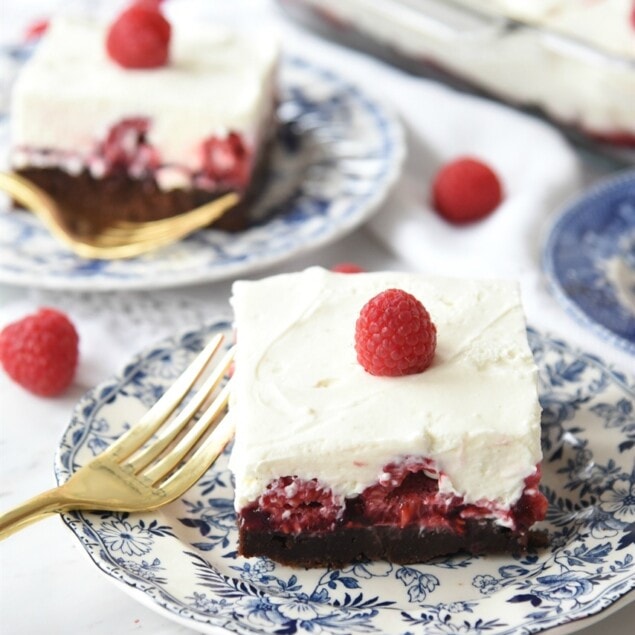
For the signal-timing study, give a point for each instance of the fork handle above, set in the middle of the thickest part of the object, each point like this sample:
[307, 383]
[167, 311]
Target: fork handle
[50, 502]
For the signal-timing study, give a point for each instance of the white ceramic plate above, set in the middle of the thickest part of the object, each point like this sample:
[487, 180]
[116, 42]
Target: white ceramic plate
[335, 158]
[181, 560]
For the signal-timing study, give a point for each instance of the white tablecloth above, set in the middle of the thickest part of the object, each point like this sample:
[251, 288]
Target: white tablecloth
[47, 584]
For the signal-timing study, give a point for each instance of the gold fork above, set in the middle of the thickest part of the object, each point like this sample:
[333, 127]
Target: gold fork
[122, 239]
[136, 473]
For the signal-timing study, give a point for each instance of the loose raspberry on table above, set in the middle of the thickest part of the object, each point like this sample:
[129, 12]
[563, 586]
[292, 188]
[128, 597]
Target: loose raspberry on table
[140, 37]
[466, 190]
[40, 352]
[394, 335]
[347, 267]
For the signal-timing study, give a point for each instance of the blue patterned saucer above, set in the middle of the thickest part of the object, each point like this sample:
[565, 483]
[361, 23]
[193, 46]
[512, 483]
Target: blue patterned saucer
[589, 259]
[336, 156]
[181, 560]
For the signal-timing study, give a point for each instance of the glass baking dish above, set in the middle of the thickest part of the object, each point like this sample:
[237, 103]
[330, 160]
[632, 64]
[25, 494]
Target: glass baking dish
[575, 68]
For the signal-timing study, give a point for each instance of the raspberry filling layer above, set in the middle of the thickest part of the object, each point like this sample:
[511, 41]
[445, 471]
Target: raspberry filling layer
[406, 494]
[223, 162]
[127, 149]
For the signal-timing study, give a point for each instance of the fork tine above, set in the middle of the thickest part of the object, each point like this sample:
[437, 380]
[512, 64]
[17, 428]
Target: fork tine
[174, 428]
[164, 466]
[209, 450]
[99, 251]
[128, 239]
[162, 409]
[119, 239]
[180, 225]
[34, 198]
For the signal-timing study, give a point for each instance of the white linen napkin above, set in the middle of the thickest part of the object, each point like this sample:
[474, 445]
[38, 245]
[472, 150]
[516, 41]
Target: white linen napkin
[537, 168]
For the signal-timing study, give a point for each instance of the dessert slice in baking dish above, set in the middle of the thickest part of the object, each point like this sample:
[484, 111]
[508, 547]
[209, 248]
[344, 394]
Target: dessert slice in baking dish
[110, 140]
[573, 61]
[335, 460]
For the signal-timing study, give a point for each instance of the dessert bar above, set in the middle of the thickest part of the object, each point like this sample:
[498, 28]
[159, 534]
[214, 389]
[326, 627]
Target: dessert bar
[110, 142]
[334, 463]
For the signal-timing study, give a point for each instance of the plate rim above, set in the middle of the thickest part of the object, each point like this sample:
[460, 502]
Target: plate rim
[366, 206]
[553, 233]
[76, 521]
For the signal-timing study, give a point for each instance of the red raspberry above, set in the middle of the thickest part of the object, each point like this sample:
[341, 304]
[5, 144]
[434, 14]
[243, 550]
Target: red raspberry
[40, 352]
[294, 505]
[139, 37]
[414, 499]
[466, 190]
[35, 30]
[126, 147]
[347, 267]
[532, 505]
[394, 335]
[226, 160]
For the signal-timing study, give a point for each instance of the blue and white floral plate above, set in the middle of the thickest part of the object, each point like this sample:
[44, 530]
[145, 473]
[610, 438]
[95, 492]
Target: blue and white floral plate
[182, 561]
[589, 259]
[335, 158]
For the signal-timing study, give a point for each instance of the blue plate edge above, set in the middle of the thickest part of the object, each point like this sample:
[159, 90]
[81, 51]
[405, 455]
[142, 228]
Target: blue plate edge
[571, 307]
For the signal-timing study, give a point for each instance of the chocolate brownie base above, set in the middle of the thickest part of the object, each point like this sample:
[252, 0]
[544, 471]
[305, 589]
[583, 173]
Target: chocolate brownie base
[403, 546]
[89, 203]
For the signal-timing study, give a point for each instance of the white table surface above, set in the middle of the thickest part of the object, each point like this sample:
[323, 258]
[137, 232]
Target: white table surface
[47, 582]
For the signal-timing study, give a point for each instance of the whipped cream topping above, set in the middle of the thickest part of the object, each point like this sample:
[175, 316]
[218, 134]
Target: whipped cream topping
[547, 67]
[604, 24]
[304, 407]
[71, 93]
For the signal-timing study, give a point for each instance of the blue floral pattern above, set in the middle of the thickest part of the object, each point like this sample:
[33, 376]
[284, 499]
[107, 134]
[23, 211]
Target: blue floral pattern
[335, 157]
[589, 259]
[184, 557]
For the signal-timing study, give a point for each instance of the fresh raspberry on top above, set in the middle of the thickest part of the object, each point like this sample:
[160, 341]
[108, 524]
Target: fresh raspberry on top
[346, 267]
[466, 190]
[394, 335]
[140, 37]
[40, 352]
